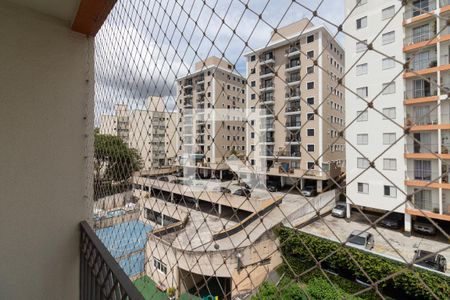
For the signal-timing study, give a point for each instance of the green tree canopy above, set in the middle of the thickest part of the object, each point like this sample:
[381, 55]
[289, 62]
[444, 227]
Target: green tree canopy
[113, 159]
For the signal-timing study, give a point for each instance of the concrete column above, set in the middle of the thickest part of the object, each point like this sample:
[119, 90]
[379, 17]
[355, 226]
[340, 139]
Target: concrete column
[171, 198]
[162, 220]
[407, 224]
[220, 174]
[349, 210]
[302, 183]
[319, 186]
[282, 181]
[440, 201]
[220, 209]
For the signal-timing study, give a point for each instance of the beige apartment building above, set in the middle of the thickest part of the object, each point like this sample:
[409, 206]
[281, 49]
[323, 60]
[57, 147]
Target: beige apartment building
[151, 131]
[296, 105]
[211, 103]
[117, 124]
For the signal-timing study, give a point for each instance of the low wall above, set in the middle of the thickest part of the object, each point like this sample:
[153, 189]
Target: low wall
[108, 222]
[113, 201]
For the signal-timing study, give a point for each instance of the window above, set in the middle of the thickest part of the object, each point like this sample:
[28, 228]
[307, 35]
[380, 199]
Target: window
[388, 37]
[388, 138]
[388, 12]
[310, 70]
[252, 135]
[310, 116]
[390, 191]
[310, 165]
[361, 69]
[252, 71]
[362, 139]
[388, 63]
[362, 116]
[389, 113]
[253, 83]
[361, 46]
[310, 39]
[361, 23]
[310, 54]
[310, 100]
[253, 96]
[362, 163]
[310, 132]
[160, 266]
[252, 162]
[310, 147]
[310, 85]
[363, 92]
[252, 58]
[388, 88]
[389, 164]
[363, 188]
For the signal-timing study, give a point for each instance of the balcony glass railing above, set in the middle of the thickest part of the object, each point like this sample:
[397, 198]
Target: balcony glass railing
[420, 62]
[423, 175]
[292, 50]
[293, 123]
[292, 64]
[293, 78]
[417, 38]
[427, 118]
[266, 85]
[420, 93]
[415, 11]
[418, 147]
[293, 108]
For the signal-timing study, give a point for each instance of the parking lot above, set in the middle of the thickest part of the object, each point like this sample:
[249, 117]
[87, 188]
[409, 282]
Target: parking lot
[388, 242]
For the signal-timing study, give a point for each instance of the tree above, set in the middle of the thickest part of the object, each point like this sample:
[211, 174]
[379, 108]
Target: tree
[113, 159]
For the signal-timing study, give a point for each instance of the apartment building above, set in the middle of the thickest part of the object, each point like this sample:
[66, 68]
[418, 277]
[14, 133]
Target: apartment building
[151, 131]
[118, 123]
[415, 166]
[297, 107]
[211, 103]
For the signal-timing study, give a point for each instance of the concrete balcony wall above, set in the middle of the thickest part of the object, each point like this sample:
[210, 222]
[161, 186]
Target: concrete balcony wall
[46, 96]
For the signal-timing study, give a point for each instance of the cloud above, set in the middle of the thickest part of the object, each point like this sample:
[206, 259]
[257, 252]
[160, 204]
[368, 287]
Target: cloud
[144, 46]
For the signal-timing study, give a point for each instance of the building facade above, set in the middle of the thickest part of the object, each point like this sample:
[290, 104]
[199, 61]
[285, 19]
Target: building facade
[211, 103]
[400, 117]
[296, 105]
[151, 131]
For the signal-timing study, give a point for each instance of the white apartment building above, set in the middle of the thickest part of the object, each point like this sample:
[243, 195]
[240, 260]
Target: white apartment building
[385, 100]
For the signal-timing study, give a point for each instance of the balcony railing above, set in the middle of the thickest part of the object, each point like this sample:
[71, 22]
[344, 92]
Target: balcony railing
[293, 78]
[266, 85]
[429, 118]
[293, 108]
[417, 38]
[419, 64]
[101, 277]
[293, 123]
[293, 64]
[420, 93]
[292, 50]
[417, 147]
[413, 11]
[422, 175]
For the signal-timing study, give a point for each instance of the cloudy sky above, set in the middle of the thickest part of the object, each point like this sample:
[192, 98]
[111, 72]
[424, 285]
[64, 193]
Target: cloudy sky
[146, 44]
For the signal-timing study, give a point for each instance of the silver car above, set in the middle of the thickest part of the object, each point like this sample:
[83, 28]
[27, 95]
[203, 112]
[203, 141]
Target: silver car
[362, 240]
[339, 211]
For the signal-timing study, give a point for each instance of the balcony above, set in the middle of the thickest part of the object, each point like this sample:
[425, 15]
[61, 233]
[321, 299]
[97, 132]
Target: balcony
[266, 86]
[292, 109]
[292, 65]
[422, 61]
[292, 96]
[266, 58]
[419, 40]
[293, 124]
[412, 11]
[422, 175]
[429, 92]
[267, 126]
[292, 51]
[293, 138]
[294, 79]
[266, 73]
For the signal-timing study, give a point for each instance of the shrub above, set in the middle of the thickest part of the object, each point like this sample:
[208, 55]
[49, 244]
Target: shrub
[376, 267]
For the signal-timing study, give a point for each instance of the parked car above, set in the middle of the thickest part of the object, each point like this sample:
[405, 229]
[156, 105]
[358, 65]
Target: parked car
[393, 221]
[362, 240]
[272, 186]
[430, 260]
[309, 191]
[424, 227]
[243, 192]
[222, 189]
[178, 174]
[339, 211]
[163, 178]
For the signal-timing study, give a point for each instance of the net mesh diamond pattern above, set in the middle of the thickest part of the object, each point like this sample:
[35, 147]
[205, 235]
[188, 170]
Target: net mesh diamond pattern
[275, 149]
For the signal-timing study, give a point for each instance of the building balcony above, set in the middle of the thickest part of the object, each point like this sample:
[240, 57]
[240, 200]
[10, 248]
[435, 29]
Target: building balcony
[414, 14]
[266, 73]
[417, 41]
[294, 79]
[292, 66]
[292, 96]
[292, 51]
[293, 124]
[292, 109]
[267, 86]
[428, 94]
[267, 58]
